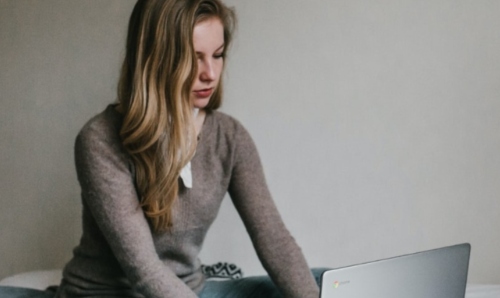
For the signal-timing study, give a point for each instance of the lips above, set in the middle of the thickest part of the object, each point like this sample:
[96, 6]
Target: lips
[203, 93]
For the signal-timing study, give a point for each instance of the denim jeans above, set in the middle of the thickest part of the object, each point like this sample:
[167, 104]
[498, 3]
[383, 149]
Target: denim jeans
[248, 287]
[16, 292]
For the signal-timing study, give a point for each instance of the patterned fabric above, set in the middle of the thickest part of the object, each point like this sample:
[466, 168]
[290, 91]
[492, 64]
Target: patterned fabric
[222, 270]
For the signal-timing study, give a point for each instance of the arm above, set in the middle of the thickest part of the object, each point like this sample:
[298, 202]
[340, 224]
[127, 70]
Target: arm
[277, 250]
[108, 189]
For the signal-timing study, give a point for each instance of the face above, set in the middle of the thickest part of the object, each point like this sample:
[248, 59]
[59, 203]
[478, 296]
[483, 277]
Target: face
[208, 41]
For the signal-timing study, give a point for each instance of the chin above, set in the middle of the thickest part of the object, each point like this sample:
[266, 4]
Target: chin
[201, 103]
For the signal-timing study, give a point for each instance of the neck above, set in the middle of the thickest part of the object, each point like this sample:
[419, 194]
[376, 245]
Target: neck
[199, 118]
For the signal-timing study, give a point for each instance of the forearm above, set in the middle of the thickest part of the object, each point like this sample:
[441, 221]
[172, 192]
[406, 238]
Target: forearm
[276, 248]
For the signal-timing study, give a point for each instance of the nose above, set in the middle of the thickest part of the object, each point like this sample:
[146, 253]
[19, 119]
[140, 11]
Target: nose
[206, 71]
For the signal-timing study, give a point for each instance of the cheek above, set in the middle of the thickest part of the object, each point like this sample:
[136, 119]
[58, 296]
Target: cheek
[220, 67]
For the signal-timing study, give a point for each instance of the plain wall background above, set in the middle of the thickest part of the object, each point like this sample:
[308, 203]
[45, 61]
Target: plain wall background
[377, 123]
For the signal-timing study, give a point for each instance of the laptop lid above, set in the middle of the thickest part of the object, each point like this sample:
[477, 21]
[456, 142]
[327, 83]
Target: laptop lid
[438, 273]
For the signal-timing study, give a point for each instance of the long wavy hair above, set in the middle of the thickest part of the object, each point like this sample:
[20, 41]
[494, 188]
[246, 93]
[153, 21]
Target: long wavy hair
[154, 90]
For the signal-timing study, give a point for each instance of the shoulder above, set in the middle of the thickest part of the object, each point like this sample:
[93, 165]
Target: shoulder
[104, 126]
[100, 136]
[231, 134]
[102, 130]
[225, 121]
[229, 127]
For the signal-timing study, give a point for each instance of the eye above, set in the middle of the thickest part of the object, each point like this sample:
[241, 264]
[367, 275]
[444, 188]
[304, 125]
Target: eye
[219, 55]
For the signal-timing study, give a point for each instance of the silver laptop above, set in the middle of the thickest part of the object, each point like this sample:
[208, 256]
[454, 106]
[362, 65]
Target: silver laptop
[438, 273]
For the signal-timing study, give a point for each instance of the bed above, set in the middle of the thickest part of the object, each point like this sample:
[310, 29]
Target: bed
[42, 279]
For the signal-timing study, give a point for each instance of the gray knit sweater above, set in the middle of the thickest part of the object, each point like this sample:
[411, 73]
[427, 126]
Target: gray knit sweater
[119, 256]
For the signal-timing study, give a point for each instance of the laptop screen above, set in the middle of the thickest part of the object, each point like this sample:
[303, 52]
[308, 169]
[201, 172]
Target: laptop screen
[438, 273]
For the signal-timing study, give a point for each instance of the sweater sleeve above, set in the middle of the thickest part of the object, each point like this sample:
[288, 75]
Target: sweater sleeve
[277, 250]
[108, 190]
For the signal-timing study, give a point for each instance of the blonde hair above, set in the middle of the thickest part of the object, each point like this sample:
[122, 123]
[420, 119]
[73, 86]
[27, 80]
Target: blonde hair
[154, 89]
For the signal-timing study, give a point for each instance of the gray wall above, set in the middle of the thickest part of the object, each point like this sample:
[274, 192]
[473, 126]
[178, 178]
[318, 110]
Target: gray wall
[377, 122]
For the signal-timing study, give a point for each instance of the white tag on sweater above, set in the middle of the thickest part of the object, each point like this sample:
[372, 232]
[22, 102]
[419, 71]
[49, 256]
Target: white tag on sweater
[187, 176]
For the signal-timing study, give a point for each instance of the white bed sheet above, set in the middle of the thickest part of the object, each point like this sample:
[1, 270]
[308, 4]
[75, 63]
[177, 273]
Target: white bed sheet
[482, 291]
[39, 280]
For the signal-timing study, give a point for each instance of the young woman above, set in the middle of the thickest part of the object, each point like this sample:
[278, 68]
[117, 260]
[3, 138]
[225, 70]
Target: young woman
[155, 167]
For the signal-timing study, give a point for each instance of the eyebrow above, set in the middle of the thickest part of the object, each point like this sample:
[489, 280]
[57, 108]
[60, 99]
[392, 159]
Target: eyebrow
[221, 47]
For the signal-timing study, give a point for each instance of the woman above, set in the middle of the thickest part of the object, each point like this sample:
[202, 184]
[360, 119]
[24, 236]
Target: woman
[154, 168]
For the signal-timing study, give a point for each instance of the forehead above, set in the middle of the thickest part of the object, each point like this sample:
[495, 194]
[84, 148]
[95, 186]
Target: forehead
[208, 35]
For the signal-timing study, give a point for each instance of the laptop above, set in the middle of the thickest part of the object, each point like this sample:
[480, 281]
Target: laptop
[438, 273]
